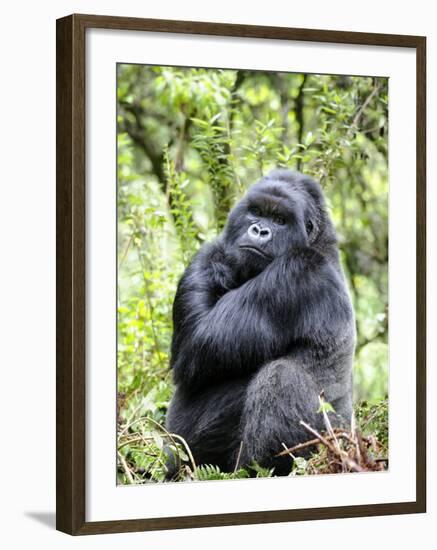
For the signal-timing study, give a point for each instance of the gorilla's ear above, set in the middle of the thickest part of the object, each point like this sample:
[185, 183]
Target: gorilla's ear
[309, 226]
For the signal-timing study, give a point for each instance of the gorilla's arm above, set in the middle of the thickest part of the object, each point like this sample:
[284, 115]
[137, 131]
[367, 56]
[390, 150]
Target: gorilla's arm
[221, 331]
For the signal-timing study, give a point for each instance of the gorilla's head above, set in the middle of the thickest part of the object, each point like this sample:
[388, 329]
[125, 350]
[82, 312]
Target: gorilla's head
[283, 211]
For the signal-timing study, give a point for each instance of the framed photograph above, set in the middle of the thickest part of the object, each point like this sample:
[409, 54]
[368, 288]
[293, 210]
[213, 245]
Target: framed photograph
[240, 274]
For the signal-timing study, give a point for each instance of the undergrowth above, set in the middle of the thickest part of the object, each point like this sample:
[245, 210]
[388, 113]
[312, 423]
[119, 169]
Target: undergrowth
[144, 444]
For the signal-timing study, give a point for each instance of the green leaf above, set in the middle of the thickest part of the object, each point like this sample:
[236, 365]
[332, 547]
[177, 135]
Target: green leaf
[326, 407]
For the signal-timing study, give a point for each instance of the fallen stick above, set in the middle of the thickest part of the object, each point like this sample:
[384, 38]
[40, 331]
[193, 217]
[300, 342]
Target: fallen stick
[312, 442]
[342, 454]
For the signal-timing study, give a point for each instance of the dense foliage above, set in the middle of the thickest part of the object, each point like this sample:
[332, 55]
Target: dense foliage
[190, 141]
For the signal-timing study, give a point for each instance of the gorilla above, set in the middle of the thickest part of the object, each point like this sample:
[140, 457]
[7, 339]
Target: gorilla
[263, 323]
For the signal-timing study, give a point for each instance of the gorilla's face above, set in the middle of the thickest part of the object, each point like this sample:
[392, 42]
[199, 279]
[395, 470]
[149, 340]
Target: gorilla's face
[282, 212]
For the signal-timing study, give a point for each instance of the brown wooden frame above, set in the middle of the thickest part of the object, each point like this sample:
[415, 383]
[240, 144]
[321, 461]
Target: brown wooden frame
[70, 276]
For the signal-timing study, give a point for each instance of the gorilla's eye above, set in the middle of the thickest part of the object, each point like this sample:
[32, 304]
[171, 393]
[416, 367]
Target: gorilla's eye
[279, 220]
[309, 226]
[255, 211]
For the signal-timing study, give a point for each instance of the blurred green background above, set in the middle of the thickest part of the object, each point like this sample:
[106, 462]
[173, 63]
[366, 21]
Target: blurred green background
[190, 142]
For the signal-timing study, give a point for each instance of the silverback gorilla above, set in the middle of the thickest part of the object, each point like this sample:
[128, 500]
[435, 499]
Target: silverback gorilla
[263, 324]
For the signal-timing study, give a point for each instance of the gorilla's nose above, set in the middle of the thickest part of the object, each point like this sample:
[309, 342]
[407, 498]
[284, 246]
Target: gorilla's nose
[259, 234]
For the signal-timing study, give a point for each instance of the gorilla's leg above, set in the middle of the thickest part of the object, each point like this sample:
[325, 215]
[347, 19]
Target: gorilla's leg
[209, 421]
[278, 397]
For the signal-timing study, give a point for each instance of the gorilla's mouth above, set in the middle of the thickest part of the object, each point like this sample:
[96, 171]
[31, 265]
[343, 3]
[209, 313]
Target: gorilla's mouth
[256, 250]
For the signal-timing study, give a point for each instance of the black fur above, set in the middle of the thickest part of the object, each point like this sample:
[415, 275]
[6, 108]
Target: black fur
[262, 324]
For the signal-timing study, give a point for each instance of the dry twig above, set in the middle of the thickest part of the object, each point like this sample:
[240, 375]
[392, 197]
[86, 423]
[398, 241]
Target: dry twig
[336, 451]
[126, 468]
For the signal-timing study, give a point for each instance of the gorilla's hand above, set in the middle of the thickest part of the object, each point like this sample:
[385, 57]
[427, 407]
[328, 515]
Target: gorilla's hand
[220, 272]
